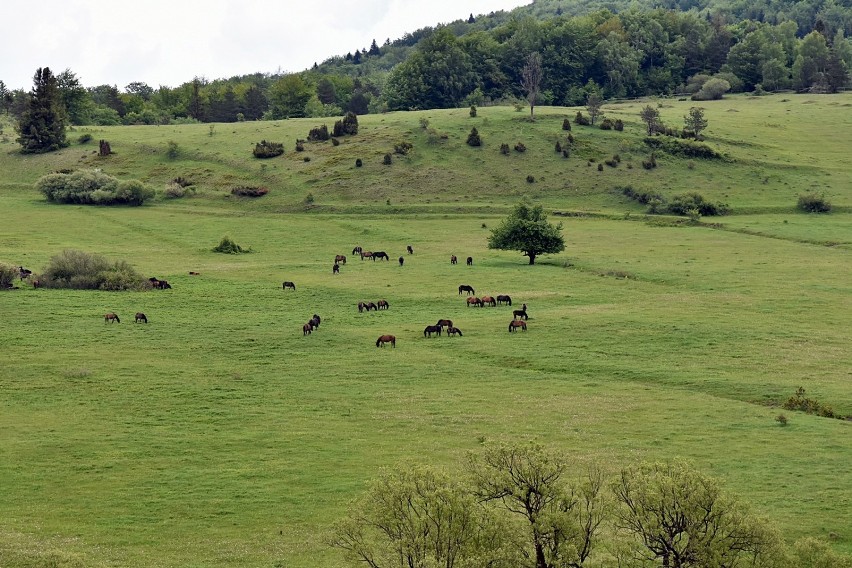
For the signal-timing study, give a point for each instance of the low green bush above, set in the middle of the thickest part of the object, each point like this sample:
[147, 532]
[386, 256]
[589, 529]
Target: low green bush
[808, 405]
[683, 148]
[814, 203]
[86, 271]
[8, 273]
[265, 149]
[227, 246]
[690, 202]
[84, 138]
[402, 148]
[92, 187]
[248, 191]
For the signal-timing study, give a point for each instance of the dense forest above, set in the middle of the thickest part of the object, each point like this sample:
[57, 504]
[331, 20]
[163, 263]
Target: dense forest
[614, 48]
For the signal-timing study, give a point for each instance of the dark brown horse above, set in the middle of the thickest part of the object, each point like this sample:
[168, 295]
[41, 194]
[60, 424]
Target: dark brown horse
[316, 320]
[503, 299]
[466, 288]
[371, 306]
[340, 259]
[430, 329]
[288, 284]
[193, 273]
[335, 269]
[454, 331]
[381, 255]
[520, 314]
[454, 259]
[366, 254]
[111, 317]
[409, 249]
[380, 342]
[470, 261]
[445, 323]
[23, 273]
[515, 324]
[382, 305]
[164, 285]
[361, 306]
[141, 317]
[489, 300]
[307, 329]
[401, 261]
[357, 250]
[474, 301]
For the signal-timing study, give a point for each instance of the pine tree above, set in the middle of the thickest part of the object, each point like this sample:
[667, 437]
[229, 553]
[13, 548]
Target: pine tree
[374, 49]
[42, 124]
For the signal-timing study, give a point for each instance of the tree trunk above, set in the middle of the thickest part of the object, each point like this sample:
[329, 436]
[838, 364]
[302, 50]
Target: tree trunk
[532, 257]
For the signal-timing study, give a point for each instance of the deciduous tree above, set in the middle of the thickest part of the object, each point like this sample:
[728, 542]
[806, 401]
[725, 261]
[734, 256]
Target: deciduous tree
[526, 229]
[695, 121]
[651, 117]
[531, 79]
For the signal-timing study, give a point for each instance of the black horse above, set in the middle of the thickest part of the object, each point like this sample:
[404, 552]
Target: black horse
[381, 255]
[335, 269]
[357, 250]
[430, 329]
[401, 261]
[503, 299]
[288, 284]
[409, 249]
[316, 319]
[470, 261]
[466, 288]
[454, 331]
[454, 259]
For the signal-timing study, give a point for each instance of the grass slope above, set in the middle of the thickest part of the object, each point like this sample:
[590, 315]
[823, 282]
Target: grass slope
[219, 434]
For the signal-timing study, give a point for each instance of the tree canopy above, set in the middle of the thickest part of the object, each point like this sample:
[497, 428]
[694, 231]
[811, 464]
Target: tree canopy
[526, 229]
[42, 124]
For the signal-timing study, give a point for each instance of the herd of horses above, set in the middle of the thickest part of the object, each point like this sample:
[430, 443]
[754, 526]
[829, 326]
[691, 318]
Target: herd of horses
[312, 324]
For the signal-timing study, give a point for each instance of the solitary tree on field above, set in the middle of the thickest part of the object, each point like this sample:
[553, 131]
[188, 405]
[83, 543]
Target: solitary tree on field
[651, 117]
[594, 103]
[531, 79]
[695, 121]
[526, 229]
[42, 124]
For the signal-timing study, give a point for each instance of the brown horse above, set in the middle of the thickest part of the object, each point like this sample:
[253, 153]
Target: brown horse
[382, 305]
[340, 259]
[307, 329]
[111, 317]
[141, 317]
[466, 288]
[454, 331]
[335, 269]
[366, 254]
[470, 261]
[454, 259]
[503, 299]
[474, 301]
[515, 324]
[193, 273]
[371, 306]
[380, 342]
[489, 300]
[288, 284]
[430, 329]
[445, 323]
[357, 250]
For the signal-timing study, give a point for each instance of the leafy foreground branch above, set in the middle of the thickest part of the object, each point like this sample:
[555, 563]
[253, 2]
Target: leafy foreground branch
[517, 506]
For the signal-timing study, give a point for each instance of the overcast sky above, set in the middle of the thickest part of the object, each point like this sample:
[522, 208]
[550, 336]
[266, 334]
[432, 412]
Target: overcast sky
[168, 42]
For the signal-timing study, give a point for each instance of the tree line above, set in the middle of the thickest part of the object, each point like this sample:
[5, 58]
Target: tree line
[630, 53]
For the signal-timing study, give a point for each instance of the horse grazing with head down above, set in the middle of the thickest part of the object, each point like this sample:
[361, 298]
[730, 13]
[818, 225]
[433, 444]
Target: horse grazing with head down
[141, 317]
[341, 259]
[515, 324]
[401, 261]
[430, 329]
[489, 300]
[380, 342]
[381, 255]
[466, 288]
[357, 250]
[366, 254]
[445, 323]
[503, 299]
[307, 329]
[382, 305]
[454, 331]
[288, 284]
[111, 317]
[474, 301]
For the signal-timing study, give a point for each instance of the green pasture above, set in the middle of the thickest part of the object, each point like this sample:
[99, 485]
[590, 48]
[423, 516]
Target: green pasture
[218, 434]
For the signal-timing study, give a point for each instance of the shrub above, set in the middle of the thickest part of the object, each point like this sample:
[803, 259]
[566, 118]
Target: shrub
[105, 150]
[387, 160]
[85, 271]
[692, 201]
[424, 122]
[402, 148]
[473, 111]
[616, 158]
[643, 197]
[309, 199]
[504, 149]
[581, 120]
[473, 138]
[618, 124]
[519, 147]
[319, 134]
[247, 191]
[358, 163]
[600, 167]
[530, 179]
[227, 246]
[650, 163]
[683, 148]
[300, 145]
[84, 139]
[174, 191]
[712, 89]
[565, 153]
[781, 420]
[350, 123]
[610, 163]
[566, 124]
[335, 142]
[814, 203]
[337, 130]
[570, 138]
[8, 274]
[264, 149]
[306, 159]
[558, 147]
[92, 187]
[519, 106]
[804, 404]
[182, 181]
[606, 124]
[172, 149]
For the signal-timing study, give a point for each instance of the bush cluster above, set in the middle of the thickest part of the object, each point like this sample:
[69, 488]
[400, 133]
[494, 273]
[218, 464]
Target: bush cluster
[227, 246]
[804, 404]
[265, 149]
[473, 139]
[8, 274]
[85, 271]
[651, 162]
[618, 124]
[643, 197]
[402, 148]
[519, 147]
[84, 138]
[692, 201]
[814, 203]
[92, 187]
[606, 124]
[175, 190]
[319, 134]
[683, 148]
[581, 120]
[248, 191]
[349, 125]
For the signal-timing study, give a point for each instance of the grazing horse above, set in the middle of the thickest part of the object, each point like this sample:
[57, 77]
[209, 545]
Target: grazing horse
[335, 269]
[316, 319]
[361, 306]
[340, 259]
[381, 255]
[357, 250]
[503, 299]
[380, 342]
[515, 324]
[163, 285]
[154, 282]
[307, 329]
[445, 323]
[141, 317]
[382, 305]
[111, 317]
[489, 300]
[430, 329]
[193, 273]
[409, 249]
[372, 306]
[474, 301]
[519, 314]
[366, 254]
[470, 261]
[466, 288]
[401, 261]
[36, 283]
[288, 284]
[454, 259]
[454, 331]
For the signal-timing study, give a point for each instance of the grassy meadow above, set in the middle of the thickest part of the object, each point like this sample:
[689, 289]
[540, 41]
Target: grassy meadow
[218, 434]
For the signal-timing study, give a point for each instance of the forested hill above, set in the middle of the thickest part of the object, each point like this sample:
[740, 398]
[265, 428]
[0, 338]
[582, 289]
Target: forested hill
[615, 48]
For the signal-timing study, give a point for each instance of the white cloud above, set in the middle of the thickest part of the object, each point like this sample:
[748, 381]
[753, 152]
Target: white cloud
[163, 42]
